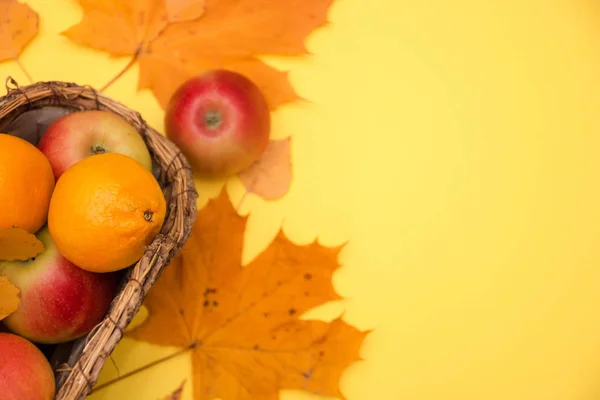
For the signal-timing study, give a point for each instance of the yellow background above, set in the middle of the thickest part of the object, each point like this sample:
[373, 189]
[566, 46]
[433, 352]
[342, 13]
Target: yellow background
[454, 144]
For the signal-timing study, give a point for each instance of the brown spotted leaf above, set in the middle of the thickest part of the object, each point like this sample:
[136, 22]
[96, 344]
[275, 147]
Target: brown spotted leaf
[250, 341]
[18, 26]
[270, 176]
[177, 39]
[17, 244]
[10, 296]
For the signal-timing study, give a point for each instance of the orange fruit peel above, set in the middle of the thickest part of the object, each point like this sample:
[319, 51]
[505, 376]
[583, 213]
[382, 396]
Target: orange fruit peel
[105, 210]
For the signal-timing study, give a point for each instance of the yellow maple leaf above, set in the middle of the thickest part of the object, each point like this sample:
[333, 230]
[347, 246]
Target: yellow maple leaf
[227, 34]
[17, 244]
[10, 297]
[243, 324]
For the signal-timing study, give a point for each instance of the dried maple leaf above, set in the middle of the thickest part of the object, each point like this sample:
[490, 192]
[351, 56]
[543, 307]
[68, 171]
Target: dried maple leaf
[229, 34]
[17, 244]
[10, 297]
[242, 324]
[176, 395]
[271, 175]
[18, 26]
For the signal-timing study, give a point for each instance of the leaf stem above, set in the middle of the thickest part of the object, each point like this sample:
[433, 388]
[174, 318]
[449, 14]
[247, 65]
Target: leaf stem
[239, 205]
[124, 70]
[24, 70]
[143, 368]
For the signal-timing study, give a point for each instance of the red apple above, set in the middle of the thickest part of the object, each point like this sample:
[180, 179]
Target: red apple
[59, 301]
[220, 120]
[25, 374]
[75, 136]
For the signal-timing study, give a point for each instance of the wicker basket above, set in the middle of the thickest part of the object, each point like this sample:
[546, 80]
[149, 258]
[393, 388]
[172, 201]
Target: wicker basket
[78, 364]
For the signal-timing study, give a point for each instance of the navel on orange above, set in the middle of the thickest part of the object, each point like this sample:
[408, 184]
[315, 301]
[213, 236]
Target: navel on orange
[104, 211]
[26, 184]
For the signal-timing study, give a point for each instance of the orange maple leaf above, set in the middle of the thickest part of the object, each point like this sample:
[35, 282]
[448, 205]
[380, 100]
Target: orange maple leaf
[184, 10]
[10, 297]
[270, 176]
[229, 34]
[18, 26]
[243, 324]
[119, 27]
[17, 244]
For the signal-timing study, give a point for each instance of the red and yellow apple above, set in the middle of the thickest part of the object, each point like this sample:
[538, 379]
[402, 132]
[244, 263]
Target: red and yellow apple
[220, 120]
[59, 301]
[78, 135]
[25, 374]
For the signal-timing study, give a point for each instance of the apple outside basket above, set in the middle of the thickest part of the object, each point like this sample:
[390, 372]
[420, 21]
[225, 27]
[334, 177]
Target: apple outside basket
[77, 364]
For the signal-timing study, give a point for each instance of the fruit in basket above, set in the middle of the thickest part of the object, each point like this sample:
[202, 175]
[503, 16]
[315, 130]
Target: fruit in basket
[59, 301]
[104, 211]
[78, 135]
[26, 184]
[220, 120]
[25, 374]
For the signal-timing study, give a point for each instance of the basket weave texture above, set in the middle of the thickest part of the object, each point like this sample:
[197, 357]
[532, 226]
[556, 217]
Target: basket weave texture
[78, 364]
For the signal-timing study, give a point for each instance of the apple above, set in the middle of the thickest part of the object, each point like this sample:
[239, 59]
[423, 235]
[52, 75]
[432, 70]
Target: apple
[25, 374]
[81, 134]
[59, 301]
[220, 120]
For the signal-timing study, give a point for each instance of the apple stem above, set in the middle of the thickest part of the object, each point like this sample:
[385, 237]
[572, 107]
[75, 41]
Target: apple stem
[145, 367]
[212, 119]
[124, 70]
[97, 149]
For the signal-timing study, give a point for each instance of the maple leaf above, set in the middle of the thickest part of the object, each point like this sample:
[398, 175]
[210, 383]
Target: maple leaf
[10, 297]
[184, 10]
[242, 324]
[119, 27]
[17, 244]
[228, 34]
[18, 26]
[270, 176]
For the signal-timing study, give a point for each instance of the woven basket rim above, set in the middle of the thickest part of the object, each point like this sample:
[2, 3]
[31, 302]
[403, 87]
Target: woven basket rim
[76, 375]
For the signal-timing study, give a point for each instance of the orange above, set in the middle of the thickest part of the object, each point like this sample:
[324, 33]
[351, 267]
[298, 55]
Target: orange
[26, 184]
[104, 211]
